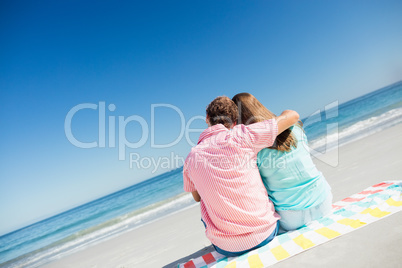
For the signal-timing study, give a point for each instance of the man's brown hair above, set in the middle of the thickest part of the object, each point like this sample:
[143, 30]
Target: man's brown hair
[222, 110]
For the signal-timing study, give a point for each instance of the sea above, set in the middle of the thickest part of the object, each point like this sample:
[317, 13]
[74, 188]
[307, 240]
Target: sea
[331, 126]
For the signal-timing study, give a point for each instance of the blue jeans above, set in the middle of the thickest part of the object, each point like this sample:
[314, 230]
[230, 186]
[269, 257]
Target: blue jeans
[294, 219]
[238, 253]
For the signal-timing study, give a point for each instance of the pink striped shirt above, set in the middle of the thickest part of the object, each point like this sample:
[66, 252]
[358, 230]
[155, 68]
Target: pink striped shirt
[234, 203]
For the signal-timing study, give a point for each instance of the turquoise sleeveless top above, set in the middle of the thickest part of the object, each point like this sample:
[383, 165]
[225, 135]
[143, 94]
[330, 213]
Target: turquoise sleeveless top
[291, 178]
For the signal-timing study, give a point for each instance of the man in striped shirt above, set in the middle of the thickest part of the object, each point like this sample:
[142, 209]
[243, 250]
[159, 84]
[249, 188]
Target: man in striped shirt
[222, 175]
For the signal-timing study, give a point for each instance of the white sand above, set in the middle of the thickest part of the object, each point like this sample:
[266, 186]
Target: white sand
[181, 236]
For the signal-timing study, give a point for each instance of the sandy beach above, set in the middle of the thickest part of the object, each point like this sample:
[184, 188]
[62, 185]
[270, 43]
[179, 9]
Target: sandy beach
[180, 236]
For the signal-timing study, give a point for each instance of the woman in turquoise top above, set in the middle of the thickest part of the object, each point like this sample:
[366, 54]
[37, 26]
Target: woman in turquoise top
[297, 189]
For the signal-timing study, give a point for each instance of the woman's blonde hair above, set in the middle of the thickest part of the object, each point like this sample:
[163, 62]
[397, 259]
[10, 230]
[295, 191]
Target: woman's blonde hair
[252, 111]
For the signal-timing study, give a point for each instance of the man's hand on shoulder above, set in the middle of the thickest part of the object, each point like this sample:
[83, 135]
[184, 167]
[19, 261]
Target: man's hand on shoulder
[287, 119]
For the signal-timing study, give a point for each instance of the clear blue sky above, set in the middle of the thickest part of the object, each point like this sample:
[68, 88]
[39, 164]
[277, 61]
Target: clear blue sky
[55, 55]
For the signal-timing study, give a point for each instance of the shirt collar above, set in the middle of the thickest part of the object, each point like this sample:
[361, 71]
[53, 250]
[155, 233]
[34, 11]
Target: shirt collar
[211, 131]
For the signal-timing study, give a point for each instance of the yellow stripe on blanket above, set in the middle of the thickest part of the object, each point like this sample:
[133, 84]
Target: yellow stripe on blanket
[375, 212]
[232, 265]
[304, 242]
[279, 253]
[328, 233]
[255, 261]
[394, 203]
[352, 223]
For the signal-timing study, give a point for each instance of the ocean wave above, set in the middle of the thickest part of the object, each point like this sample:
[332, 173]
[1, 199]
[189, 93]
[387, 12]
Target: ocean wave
[361, 129]
[102, 232]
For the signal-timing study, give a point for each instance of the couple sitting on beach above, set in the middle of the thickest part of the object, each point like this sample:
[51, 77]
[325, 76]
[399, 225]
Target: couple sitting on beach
[253, 175]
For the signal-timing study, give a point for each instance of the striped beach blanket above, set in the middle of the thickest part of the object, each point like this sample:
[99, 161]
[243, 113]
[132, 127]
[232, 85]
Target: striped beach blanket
[349, 214]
